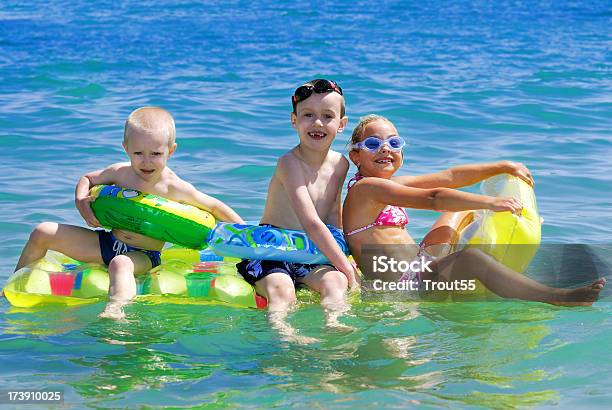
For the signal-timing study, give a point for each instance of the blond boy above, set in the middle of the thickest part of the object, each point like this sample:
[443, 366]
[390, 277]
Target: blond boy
[149, 140]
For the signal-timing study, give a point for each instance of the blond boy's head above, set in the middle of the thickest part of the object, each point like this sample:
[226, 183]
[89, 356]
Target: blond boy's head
[151, 120]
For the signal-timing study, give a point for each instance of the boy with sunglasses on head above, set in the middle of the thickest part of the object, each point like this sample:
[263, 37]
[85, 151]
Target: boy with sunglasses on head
[304, 194]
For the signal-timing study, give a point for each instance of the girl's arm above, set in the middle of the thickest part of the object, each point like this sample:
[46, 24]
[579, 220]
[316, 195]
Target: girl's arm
[464, 175]
[294, 181]
[438, 199]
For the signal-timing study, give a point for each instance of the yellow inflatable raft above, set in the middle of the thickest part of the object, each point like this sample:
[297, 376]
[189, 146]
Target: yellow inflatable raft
[57, 279]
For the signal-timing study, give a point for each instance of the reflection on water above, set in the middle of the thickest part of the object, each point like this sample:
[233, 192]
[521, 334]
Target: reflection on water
[433, 352]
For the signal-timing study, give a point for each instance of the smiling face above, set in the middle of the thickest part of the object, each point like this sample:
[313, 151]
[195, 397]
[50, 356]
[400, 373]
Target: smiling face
[149, 140]
[318, 119]
[382, 163]
[149, 152]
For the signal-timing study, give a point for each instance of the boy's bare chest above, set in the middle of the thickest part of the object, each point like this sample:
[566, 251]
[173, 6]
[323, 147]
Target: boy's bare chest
[160, 188]
[322, 188]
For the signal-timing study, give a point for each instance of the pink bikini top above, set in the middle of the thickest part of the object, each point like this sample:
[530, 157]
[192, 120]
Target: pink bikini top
[390, 216]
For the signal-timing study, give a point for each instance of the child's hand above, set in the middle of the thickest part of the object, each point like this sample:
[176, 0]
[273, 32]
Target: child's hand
[519, 170]
[506, 204]
[84, 207]
[354, 280]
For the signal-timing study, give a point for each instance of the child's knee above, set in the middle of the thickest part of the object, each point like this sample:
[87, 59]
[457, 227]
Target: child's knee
[121, 263]
[282, 293]
[279, 289]
[44, 232]
[334, 281]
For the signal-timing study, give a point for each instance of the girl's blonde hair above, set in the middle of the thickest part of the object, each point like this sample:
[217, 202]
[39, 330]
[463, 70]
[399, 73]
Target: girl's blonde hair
[363, 121]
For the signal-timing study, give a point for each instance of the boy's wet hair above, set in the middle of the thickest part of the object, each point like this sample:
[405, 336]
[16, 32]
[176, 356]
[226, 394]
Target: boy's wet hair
[363, 121]
[151, 119]
[314, 84]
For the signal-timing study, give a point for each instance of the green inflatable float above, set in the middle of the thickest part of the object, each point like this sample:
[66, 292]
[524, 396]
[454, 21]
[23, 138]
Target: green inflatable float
[152, 216]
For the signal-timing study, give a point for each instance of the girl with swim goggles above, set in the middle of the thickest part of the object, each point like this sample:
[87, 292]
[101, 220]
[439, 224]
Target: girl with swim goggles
[373, 218]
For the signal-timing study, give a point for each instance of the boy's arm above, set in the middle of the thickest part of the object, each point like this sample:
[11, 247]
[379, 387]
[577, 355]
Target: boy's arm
[82, 198]
[222, 212]
[295, 185]
[464, 175]
[437, 199]
[335, 218]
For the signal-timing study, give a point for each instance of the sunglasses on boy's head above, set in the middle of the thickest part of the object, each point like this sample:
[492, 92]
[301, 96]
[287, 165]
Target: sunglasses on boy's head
[373, 144]
[319, 86]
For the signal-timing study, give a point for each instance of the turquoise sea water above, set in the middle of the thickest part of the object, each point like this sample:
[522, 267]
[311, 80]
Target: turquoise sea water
[463, 81]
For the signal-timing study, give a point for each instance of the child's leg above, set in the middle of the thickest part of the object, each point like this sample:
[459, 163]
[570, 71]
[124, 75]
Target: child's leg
[474, 264]
[332, 286]
[278, 288]
[328, 282]
[74, 241]
[443, 234]
[122, 270]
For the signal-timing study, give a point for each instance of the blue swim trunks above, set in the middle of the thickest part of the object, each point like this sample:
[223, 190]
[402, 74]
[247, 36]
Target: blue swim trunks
[253, 270]
[111, 247]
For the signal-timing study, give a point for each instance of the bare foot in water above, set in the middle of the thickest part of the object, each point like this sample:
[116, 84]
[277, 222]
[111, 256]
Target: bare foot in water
[301, 340]
[584, 296]
[334, 325]
[332, 316]
[113, 310]
[287, 332]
